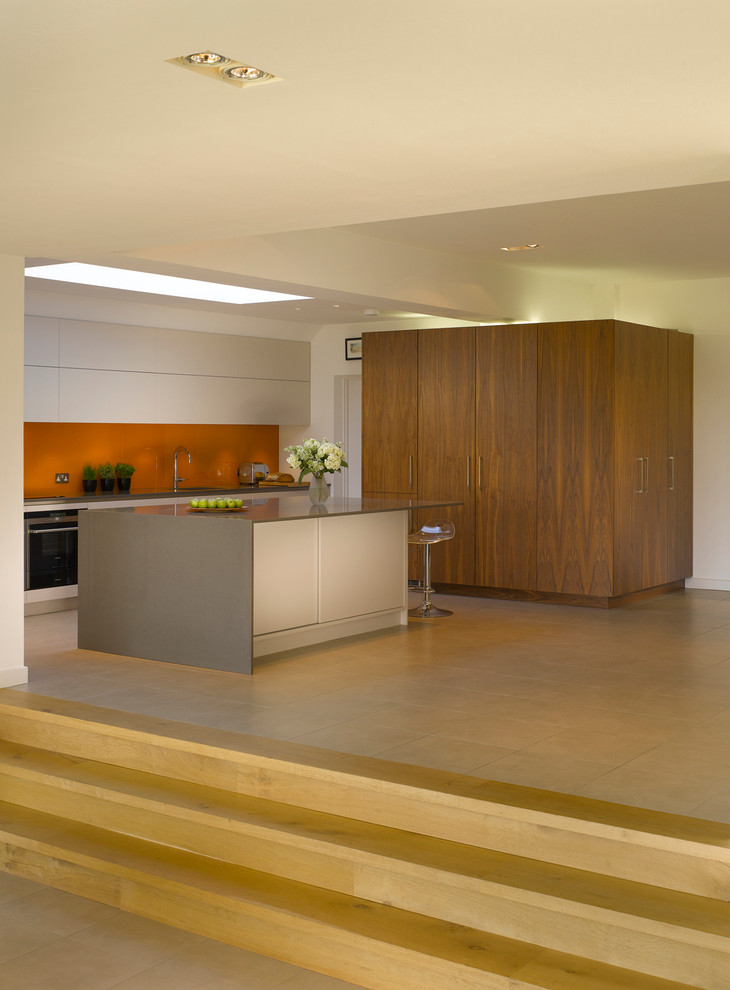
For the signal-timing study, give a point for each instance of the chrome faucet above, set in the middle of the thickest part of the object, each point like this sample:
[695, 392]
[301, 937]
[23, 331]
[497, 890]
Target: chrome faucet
[180, 450]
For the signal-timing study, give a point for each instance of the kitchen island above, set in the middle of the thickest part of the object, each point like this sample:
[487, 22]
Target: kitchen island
[217, 589]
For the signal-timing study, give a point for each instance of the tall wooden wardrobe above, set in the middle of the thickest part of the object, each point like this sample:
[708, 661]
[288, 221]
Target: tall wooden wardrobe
[568, 445]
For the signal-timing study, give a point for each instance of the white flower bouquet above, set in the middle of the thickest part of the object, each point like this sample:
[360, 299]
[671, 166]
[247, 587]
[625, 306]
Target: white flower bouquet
[316, 457]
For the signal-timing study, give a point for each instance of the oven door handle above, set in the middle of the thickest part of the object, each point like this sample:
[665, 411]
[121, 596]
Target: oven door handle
[64, 529]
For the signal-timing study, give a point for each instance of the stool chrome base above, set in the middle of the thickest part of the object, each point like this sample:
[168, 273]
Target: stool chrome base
[428, 611]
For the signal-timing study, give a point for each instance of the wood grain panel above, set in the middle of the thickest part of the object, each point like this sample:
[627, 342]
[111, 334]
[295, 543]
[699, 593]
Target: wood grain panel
[506, 451]
[640, 547]
[390, 412]
[679, 455]
[574, 454]
[654, 418]
[446, 467]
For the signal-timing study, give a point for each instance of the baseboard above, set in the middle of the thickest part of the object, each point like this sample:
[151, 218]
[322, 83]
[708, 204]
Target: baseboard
[51, 605]
[13, 676]
[708, 584]
[291, 639]
[556, 598]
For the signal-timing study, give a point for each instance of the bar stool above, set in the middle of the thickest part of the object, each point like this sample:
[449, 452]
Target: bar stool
[434, 531]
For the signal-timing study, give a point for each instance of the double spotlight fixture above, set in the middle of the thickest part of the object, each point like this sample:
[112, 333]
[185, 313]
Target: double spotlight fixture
[221, 67]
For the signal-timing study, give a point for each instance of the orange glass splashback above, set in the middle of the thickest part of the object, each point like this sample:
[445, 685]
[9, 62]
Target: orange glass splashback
[215, 451]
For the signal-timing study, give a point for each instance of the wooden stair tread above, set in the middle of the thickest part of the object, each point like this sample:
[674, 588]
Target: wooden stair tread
[339, 919]
[362, 843]
[454, 789]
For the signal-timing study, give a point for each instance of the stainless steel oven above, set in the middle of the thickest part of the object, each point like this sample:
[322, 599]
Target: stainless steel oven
[51, 548]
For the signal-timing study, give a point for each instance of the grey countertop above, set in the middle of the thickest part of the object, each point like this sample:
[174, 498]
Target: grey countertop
[260, 507]
[240, 491]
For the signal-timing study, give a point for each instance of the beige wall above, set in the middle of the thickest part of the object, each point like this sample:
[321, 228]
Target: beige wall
[12, 669]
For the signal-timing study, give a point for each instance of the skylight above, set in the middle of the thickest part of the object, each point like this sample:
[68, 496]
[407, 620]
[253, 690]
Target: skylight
[163, 285]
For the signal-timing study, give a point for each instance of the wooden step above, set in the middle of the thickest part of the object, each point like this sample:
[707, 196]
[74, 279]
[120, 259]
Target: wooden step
[377, 946]
[618, 922]
[390, 869]
[672, 851]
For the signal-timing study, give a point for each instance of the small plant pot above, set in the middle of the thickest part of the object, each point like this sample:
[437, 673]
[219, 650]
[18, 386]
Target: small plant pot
[123, 484]
[107, 484]
[89, 484]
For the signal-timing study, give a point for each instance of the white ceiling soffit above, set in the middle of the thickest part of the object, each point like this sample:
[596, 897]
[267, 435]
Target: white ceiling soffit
[431, 124]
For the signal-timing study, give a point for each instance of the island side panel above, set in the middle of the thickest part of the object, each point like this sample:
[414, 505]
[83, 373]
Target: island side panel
[363, 564]
[167, 588]
[286, 565]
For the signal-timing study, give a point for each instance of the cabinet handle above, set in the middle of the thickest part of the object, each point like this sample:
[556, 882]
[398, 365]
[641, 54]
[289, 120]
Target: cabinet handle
[646, 489]
[671, 484]
[479, 473]
[640, 489]
[468, 474]
[410, 472]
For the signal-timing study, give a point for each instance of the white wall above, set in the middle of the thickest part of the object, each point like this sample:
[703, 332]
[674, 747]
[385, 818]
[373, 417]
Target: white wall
[12, 669]
[701, 307]
[327, 361]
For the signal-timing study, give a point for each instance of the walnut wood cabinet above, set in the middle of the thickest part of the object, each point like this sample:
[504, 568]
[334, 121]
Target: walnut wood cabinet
[505, 451]
[446, 430]
[574, 456]
[390, 413]
[640, 431]
[390, 421]
[569, 446]
[679, 456]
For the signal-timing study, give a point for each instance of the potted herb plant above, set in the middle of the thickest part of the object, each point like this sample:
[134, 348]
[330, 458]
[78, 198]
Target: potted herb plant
[124, 476]
[88, 475]
[106, 475]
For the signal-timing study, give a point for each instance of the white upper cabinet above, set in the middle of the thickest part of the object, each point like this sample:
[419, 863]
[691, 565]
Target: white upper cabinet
[225, 355]
[206, 399]
[40, 394]
[90, 396]
[107, 346]
[85, 372]
[41, 341]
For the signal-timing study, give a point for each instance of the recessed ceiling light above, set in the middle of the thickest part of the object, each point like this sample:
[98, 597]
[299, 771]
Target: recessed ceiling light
[521, 247]
[243, 72]
[162, 285]
[228, 70]
[206, 58]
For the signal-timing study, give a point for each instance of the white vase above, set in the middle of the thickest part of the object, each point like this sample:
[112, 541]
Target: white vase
[318, 490]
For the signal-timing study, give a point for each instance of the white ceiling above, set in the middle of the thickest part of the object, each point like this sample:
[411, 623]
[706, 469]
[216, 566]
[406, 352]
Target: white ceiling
[601, 131]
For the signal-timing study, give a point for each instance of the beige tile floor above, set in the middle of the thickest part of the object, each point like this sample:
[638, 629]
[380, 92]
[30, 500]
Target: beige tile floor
[628, 705]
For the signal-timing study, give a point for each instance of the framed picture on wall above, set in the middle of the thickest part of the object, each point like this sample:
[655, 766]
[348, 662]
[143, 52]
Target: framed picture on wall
[353, 349]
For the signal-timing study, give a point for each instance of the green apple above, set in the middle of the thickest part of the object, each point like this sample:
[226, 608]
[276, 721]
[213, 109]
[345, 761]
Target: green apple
[239, 502]
[222, 503]
[231, 503]
[202, 503]
[194, 503]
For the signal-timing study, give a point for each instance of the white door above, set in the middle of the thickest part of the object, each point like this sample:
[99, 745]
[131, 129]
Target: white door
[348, 429]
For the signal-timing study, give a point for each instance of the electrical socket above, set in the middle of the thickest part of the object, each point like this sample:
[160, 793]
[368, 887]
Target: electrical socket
[61, 478]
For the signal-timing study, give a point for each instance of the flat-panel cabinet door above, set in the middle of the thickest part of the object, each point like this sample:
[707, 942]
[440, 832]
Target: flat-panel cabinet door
[679, 456]
[654, 548]
[446, 461]
[390, 413]
[575, 484]
[641, 458]
[506, 450]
